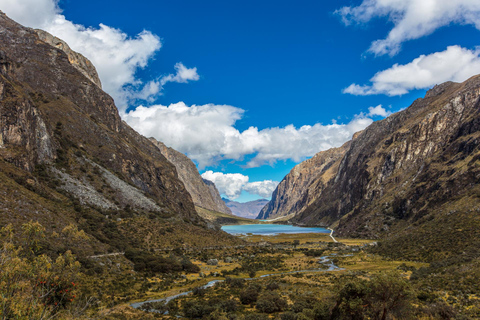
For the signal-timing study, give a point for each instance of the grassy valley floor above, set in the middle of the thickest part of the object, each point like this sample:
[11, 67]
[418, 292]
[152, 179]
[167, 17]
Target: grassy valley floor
[280, 277]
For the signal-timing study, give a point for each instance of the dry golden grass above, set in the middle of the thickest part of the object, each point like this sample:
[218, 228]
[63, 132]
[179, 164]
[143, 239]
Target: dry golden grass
[303, 238]
[373, 263]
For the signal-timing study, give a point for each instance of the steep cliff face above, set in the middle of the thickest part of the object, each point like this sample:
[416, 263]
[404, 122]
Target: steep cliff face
[405, 168]
[217, 199]
[55, 121]
[303, 184]
[77, 60]
[203, 192]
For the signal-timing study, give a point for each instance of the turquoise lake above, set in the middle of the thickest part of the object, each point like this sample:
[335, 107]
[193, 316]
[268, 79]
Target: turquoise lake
[270, 229]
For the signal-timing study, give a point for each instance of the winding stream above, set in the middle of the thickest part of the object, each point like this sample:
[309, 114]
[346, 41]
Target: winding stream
[325, 261]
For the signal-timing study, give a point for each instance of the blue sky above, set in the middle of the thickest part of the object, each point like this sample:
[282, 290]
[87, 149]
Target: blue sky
[263, 83]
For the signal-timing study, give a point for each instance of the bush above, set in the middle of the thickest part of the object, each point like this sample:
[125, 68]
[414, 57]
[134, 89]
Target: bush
[440, 310]
[314, 253]
[148, 262]
[235, 282]
[272, 286]
[384, 296]
[256, 316]
[303, 302]
[196, 309]
[229, 305]
[189, 267]
[250, 294]
[288, 316]
[270, 302]
[199, 291]
[351, 299]
[321, 311]
[34, 286]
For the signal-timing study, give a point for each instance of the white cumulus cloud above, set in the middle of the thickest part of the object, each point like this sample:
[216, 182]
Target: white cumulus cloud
[153, 88]
[262, 188]
[412, 19]
[183, 75]
[116, 56]
[232, 184]
[454, 64]
[378, 111]
[207, 134]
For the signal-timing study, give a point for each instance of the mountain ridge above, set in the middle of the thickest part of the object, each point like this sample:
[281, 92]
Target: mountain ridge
[393, 152]
[395, 170]
[66, 157]
[249, 209]
[204, 193]
[77, 60]
[299, 187]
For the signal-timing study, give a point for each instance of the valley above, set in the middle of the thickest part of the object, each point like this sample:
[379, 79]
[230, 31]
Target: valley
[299, 273]
[100, 222]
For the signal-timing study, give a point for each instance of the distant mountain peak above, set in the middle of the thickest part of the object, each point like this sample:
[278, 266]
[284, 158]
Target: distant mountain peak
[248, 209]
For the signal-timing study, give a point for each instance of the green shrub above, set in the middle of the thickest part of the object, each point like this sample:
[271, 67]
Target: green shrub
[270, 302]
[196, 309]
[272, 286]
[235, 282]
[250, 294]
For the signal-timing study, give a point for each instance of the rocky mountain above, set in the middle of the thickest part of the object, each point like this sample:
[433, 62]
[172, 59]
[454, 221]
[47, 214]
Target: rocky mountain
[66, 157]
[248, 209]
[303, 184]
[414, 167]
[203, 192]
[76, 59]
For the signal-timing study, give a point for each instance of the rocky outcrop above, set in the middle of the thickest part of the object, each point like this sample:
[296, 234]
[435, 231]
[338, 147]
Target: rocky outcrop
[217, 199]
[203, 192]
[404, 168]
[52, 116]
[24, 138]
[303, 184]
[248, 209]
[77, 60]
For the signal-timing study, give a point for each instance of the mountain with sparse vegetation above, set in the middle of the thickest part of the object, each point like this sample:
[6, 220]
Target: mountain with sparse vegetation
[412, 181]
[94, 216]
[66, 157]
[416, 166]
[204, 193]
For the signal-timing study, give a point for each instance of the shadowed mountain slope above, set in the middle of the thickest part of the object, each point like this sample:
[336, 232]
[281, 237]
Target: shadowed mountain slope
[405, 167]
[67, 157]
[394, 174]
[303, 184]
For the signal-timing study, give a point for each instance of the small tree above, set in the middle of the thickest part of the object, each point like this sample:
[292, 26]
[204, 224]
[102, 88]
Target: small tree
[383, 296]
[352, 300]
[390, 294]
[296, 243]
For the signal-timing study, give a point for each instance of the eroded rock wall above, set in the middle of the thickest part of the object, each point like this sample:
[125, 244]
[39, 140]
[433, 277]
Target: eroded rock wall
[404, 167]
[203, 192]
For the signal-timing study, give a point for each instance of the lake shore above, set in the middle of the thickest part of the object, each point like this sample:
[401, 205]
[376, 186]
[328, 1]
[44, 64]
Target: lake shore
[270, 229]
